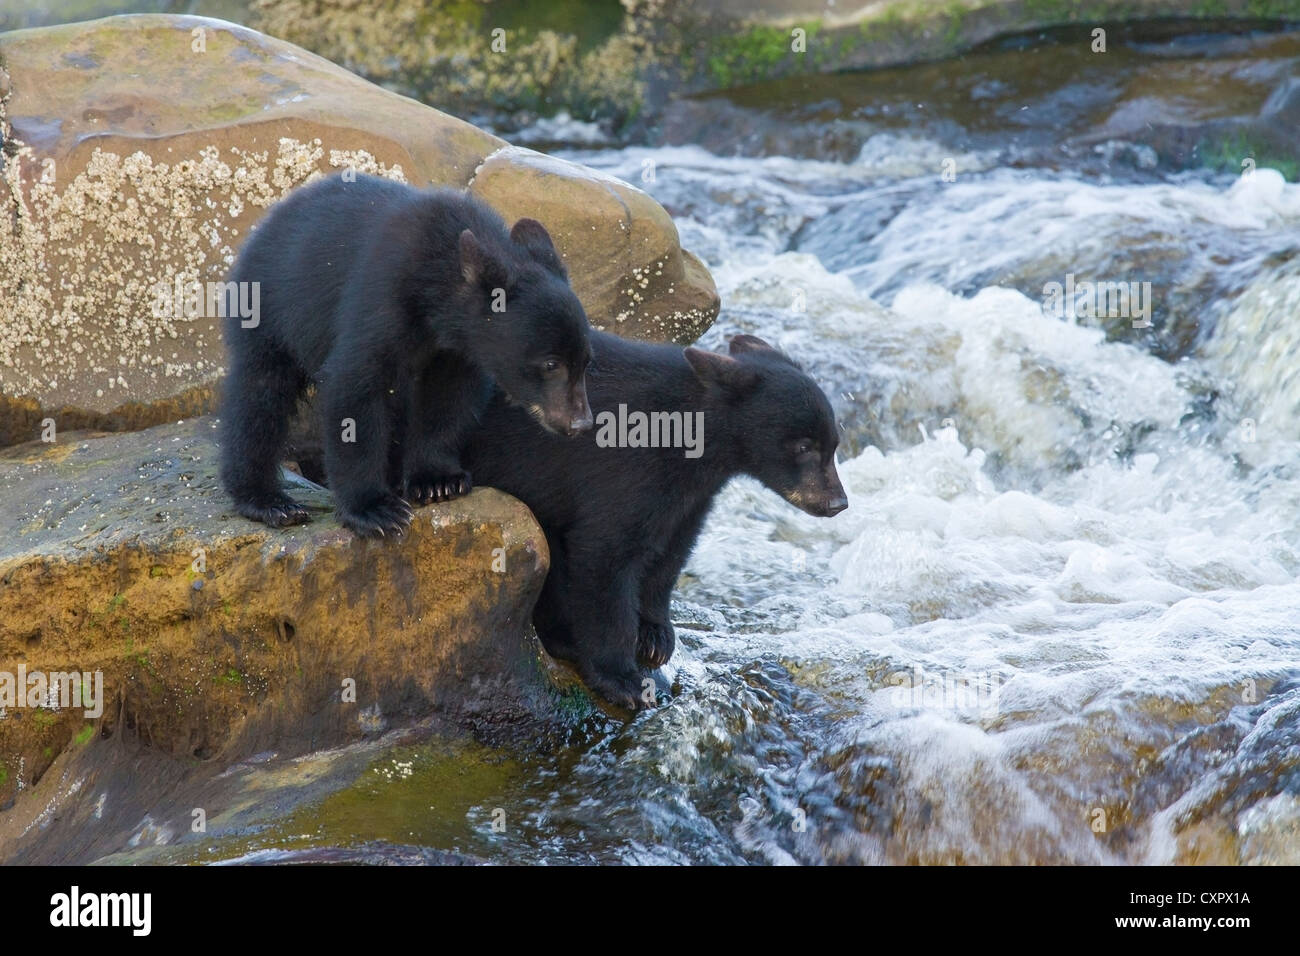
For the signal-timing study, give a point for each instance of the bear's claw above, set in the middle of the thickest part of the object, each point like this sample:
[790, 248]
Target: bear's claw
[390, 513]
[275, 512]
[425, 490]
[654, 643]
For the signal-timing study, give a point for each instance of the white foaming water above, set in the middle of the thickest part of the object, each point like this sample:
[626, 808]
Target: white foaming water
[1067, 226]
[1060, 621]
[1257, 353]
[560, 128]
[1034, 510]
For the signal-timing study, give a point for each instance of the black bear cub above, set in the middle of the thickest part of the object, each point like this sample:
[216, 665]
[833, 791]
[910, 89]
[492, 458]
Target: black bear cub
[403, 307]
[621, 521]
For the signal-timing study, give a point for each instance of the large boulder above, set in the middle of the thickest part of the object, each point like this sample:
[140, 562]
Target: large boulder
[139, 152]
[217, 638]
[623, 302]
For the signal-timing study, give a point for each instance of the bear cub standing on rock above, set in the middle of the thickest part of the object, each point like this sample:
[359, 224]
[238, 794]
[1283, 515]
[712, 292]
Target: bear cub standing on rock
[403, 307]
[620, 522]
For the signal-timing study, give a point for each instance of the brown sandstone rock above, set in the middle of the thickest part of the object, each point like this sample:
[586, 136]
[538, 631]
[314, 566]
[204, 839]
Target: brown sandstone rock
[218, 638]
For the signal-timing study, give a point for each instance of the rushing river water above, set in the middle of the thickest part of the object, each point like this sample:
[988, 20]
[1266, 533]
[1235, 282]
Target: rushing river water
[1060, 621]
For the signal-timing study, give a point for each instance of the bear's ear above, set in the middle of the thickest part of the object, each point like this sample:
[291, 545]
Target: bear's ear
[533, 238]
[741, 344]
[478, 266]
[753, 345]
[722, 370]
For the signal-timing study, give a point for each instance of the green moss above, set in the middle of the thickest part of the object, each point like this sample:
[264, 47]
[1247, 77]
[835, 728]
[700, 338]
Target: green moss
[1059, 11]
[590, 23]
[4, 776]
[756, 54]
[1273, 8]
[892, 28]
[116, 601]
[956, 16]
[84, 735]
[1226, 155]
[143, 662]
[573, 704]
[421, 795]
[231, 676]
[43, 719]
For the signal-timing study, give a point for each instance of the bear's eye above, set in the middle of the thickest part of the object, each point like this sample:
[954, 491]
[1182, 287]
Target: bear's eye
[551, 365]
[804, 446]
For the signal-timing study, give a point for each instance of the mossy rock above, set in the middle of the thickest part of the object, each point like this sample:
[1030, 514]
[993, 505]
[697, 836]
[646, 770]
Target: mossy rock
[217, 637]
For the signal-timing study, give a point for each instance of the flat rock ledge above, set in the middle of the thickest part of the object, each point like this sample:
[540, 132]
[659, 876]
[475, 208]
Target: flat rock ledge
[216, 638]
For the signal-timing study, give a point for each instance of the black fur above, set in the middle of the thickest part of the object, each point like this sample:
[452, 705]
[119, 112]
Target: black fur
[621, 522]
[381, 295]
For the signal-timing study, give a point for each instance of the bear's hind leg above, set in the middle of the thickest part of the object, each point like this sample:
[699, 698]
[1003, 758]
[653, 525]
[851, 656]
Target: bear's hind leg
[604, 611]
[258, 400]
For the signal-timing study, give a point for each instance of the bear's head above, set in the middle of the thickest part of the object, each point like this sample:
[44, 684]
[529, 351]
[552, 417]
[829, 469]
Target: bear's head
[777, 422]
[532, 332]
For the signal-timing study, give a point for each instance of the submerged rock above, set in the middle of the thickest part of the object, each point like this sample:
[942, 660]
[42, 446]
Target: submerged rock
[139, 152]
[210, 638]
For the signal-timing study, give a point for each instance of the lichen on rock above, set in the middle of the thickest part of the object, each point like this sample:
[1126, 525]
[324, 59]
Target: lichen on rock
[120, 235]
[119, 185]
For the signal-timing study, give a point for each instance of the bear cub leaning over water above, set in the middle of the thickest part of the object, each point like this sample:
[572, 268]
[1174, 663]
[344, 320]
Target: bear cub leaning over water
[404, 307]
[620, 522]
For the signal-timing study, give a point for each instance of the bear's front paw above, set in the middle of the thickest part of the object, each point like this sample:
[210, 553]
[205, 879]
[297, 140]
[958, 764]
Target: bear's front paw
[654, 643]
[276, 512]
[388, 513]
[625, 690]
[426, 489]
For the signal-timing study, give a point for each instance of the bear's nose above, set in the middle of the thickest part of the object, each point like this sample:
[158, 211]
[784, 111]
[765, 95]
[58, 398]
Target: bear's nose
[835, 506]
